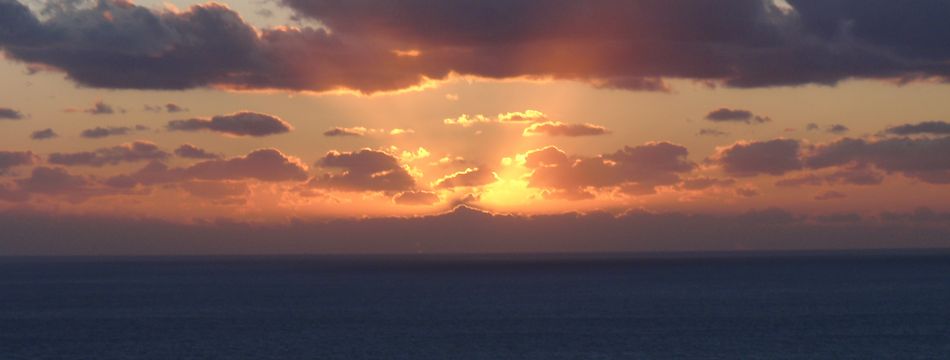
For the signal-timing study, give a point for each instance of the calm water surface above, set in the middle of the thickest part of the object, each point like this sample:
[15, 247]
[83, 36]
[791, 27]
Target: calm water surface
[803, 306]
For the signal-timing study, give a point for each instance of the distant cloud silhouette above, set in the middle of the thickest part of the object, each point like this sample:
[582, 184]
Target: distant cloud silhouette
[189, 151]
[364, 170]
[736, 115]
[416, 198]
[555, 128]
[132, 152]
[102, 132]
[773, 157]
[10, 114]
[11, 159]
[239, 124]
[926, 127]
[44, 134]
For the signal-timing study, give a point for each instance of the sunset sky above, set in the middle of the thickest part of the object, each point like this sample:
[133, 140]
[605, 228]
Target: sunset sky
[650, 125]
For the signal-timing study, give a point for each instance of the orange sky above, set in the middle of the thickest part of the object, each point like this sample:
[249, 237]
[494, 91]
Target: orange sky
[339, 132]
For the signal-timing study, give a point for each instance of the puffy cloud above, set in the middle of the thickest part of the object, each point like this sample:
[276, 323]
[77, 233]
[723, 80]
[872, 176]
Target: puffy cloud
[637, 169]
[773, 157]
[269, 165]
[555, 128]
[470, 177]
[851, 175]
[364, 170]
[830, 195]
[239, 124]
[98, 108]
[53, 181]
[838, 129]
[190, 151]
[926, 127]
[358, 131]
[416, 198]
[711, 132]
[922, 159]
[527, 116]
[131, 152]
[628, 44]
[10, 114]
[11, 159]
[101, 132]
[735, 115]
[43, 134]
[169, 108]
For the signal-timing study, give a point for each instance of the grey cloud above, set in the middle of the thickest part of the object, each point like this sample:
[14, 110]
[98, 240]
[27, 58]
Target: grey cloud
[131, 152]
[239, 124]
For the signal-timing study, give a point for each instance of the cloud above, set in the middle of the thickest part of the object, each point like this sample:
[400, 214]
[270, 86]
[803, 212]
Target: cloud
[921, 159]
[189, 151]
[746, 191]
[470, 177]
[627, 45]
[838, 129]
[268, 165]
[926, 127]
[416, 198]
[169, 108]
[362, 131]
[102, 132]
[132, 152]
[11, 159]
[98, 108]
[640, 168]
[238, 124]
[554, 128]
[364, 170]
[10, 114]
[711, 132]
[43, 134]
[518, 117]
[52, 181]
[736, 115]
[359, 131]
[216, 190]
[773, 157]
[830, 195]
[466, 230]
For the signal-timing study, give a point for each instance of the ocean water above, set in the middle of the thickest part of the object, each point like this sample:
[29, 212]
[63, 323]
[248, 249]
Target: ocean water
[764, 306]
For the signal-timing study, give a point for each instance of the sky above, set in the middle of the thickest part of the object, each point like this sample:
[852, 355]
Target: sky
[362, 126]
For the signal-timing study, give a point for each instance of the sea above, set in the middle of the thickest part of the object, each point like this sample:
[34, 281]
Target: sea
[806, 305]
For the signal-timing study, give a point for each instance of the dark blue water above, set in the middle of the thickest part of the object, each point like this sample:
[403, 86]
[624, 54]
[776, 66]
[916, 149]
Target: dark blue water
[728, 307]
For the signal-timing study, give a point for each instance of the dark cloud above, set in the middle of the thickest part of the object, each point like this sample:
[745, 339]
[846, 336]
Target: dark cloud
[554, 128]
[11, 159]
[467, 178]
[99, 132]
[269, 165]
[43, 134]
[98, 108]
[711, 132]
[131, 152]
[416, 198]
[926, 127]
[747, 191]
[627, 44]
[812, 127]
[839, 218]
[773, 157]
[922, 159]
[639, 168]
[838, 129]
[189, 151]
[10, 114]
[342, 132]
[830, 195]
[169, 108]
[735, 115]
[465, 230]
[364, 170]
[52, 181]
[919, 215]
[238, 124]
